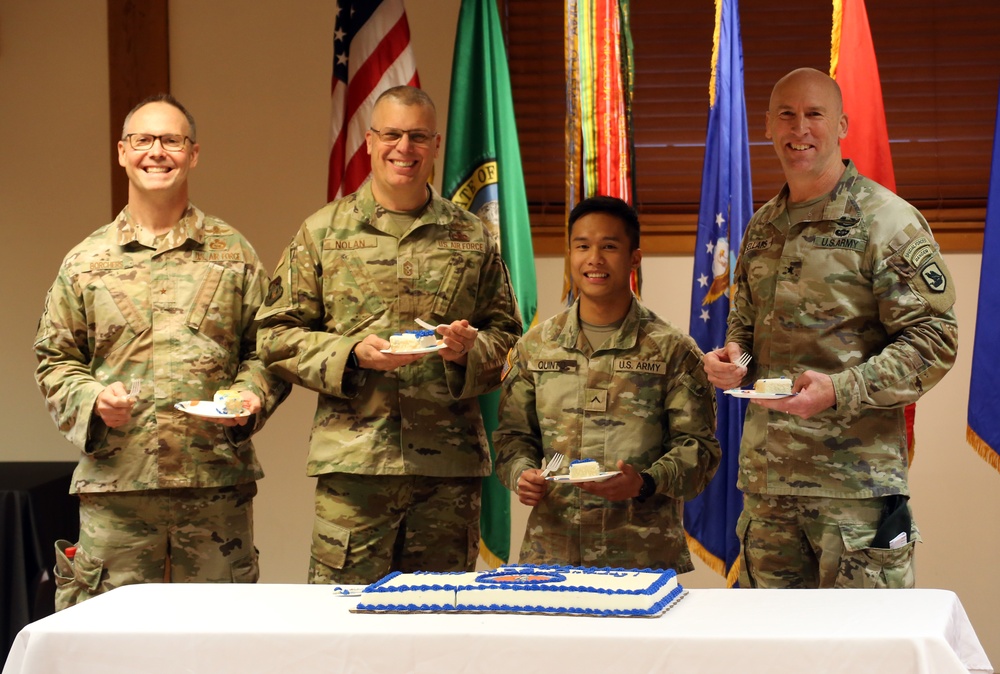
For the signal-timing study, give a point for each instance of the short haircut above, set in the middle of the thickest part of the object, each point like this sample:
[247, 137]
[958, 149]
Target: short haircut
[407, 95]
[614, 207]
[169, 100]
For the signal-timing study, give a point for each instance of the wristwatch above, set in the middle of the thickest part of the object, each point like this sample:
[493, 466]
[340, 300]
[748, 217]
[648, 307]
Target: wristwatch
[647, 489]
[352, 359]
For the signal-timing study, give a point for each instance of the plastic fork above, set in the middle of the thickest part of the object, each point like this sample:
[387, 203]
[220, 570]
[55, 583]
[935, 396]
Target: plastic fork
[553, 464]
[427, 326]
[744, 360]
[134, 388]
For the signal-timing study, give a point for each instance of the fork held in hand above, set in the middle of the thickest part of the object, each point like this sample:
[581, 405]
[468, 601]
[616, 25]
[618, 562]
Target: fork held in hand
[744, 360]
[553, 464]
[134, 387]
[427, 326]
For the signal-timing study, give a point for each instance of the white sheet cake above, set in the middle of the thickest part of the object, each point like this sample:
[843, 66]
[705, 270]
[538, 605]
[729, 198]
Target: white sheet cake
[527, 589]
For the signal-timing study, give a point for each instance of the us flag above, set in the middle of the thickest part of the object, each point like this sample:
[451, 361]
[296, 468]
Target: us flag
[371, 53]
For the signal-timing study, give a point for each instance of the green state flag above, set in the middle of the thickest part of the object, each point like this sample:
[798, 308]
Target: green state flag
[482, 173]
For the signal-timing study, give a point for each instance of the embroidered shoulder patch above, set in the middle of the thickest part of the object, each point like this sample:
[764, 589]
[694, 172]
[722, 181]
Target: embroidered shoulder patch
[918, 251]
[935, 279]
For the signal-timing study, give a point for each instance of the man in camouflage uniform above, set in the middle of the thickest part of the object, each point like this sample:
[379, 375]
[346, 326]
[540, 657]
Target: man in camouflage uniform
[607, 380]
[398, 442]
[841, 287]
[165, 296]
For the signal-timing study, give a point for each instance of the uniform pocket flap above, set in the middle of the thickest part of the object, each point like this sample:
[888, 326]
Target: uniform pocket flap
[330, 543]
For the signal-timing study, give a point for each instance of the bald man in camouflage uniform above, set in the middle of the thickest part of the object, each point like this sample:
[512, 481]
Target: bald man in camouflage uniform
[164, 295]
[398, 442]
[607, 380]
[841, 287]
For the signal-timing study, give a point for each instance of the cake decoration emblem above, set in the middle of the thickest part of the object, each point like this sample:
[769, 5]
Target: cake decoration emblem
[520, 576]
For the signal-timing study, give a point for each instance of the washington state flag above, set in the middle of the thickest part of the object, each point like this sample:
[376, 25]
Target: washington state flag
[482, 173]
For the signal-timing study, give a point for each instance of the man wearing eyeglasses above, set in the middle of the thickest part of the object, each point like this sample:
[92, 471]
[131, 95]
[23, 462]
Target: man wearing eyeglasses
[161, 301]
[398, 443]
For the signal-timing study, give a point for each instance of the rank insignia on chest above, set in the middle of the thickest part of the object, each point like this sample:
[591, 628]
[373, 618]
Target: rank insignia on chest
[595, 400]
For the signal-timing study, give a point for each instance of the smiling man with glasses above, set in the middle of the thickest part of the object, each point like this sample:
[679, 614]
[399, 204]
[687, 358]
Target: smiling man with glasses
[163, 300]
[398, 443]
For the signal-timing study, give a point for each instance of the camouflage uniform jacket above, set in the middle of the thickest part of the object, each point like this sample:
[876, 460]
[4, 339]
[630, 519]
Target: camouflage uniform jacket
[345, 276]
[177, 313]
[860, 293]
[644, 398]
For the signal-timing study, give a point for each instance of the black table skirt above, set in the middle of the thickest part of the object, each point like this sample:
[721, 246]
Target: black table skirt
[36, 509]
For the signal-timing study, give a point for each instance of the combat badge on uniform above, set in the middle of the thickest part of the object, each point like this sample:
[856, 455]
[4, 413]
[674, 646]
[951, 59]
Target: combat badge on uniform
[274, 292]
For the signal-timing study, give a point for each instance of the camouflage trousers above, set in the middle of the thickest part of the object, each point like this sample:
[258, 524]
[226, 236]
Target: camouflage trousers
[369, 525]
[126, 538]
[817, 542]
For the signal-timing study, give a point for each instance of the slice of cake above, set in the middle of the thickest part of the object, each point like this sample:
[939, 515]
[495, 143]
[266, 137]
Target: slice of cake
[583, 468]
[228, 402]
[411, 340]
[779, 385]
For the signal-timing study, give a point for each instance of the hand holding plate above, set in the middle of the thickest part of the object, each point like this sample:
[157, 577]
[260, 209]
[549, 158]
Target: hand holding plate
[620, 487]
[373, 354]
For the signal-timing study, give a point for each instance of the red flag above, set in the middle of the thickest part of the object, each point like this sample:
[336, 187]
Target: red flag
[371, 53]
[853, 65]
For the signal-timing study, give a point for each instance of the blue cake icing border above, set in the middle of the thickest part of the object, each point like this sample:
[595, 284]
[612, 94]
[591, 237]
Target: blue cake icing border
[665, 576]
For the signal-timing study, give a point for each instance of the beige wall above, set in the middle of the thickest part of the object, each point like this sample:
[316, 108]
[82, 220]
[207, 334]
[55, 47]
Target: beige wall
[258, 82]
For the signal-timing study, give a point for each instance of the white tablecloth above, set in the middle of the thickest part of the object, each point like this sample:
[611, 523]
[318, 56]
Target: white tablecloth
[301, 629]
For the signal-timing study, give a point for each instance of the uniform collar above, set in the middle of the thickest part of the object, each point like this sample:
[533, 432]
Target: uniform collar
[841, 205]
[367, 210]
[190, 226]
[626, 337]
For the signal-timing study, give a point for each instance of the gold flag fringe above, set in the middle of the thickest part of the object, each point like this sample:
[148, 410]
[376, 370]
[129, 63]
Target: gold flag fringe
[490, 557]
[838, 25]
[983, 448]
[713, 562]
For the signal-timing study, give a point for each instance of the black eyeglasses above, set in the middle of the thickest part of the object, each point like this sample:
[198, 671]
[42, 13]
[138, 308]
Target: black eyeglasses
[420, 137]
[171, 142]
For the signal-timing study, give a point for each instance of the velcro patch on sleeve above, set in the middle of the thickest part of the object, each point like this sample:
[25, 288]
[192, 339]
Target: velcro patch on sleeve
[935, 285]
